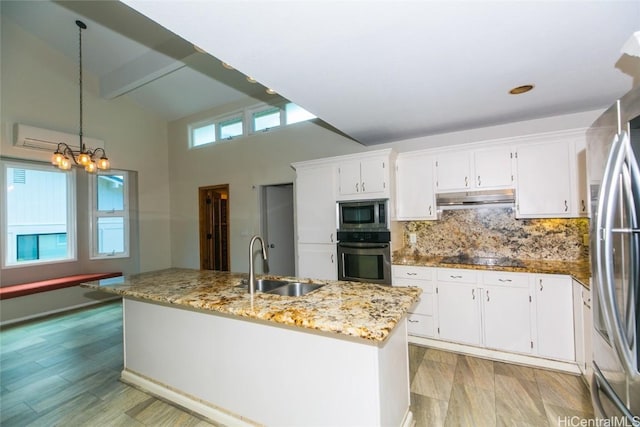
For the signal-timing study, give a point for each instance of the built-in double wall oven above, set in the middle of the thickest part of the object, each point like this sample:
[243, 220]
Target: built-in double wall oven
[364, 250]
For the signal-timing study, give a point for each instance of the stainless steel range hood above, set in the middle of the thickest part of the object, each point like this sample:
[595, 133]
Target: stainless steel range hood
[480, 198]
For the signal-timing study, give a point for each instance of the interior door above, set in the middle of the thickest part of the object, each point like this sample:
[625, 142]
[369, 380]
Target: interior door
[214, 227]
[278, 229]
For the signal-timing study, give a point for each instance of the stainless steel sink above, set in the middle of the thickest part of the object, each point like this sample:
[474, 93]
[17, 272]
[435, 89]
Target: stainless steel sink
[295, 289]
[282, 287]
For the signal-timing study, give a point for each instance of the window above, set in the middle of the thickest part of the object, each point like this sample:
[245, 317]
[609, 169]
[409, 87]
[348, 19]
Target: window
[109, 195]
[295, 114]
[260, 118]
[38, 215]
[265, 119]
[202, 133]
[231, 128]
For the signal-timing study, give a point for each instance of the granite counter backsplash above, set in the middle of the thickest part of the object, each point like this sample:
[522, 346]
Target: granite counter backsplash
[495, 232]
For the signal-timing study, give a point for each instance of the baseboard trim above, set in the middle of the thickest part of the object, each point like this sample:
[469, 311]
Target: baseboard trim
[190, 403]
[501, 356]
[56, 311]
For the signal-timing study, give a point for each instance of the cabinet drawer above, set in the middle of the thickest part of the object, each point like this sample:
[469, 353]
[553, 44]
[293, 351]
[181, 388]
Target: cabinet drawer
[456, 275]
[425, 304]
[498, 278]
[405, 272]
[420, 325]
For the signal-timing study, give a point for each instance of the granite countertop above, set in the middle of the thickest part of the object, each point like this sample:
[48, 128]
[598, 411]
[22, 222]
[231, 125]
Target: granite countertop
[579, 270]
[354, 309]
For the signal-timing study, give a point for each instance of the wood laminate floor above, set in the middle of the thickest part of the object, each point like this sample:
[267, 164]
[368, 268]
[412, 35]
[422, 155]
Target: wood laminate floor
[64, 371]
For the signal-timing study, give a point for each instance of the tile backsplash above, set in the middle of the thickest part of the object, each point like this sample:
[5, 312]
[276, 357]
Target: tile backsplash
[495, 232]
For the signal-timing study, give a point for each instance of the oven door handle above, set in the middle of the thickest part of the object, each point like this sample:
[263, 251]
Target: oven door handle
[364, 245]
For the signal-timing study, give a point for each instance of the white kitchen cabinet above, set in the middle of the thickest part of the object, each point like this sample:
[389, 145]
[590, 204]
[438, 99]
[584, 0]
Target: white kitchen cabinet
[317, 261]
[366, 176]
[479, 169]
[507, 318]
[545, 179]
[415, 192]
[423, 315]
[554, 317]
[582, 327]
[458, 306]
[453, 171]
[316, 203]
[493, 168]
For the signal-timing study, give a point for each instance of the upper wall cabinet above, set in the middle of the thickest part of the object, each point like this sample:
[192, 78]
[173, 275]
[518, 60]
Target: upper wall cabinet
[474, 169]
[365, 176]
[549, 182]
[315, 203]
[415, 195]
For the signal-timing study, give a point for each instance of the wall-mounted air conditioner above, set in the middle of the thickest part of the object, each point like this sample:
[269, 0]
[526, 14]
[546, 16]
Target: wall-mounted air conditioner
[34, 138]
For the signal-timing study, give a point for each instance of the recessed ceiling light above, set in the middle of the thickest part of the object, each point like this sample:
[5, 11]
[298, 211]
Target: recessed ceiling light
[271, 91]
[251, 79]
[199, 49]
[227, 65]
[521, 89]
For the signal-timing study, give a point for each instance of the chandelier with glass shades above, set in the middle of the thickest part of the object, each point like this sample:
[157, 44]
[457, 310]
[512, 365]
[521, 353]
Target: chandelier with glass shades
[64, 155]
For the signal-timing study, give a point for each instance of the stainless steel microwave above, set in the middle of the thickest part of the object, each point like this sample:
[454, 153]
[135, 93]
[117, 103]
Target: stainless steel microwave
[363, 215]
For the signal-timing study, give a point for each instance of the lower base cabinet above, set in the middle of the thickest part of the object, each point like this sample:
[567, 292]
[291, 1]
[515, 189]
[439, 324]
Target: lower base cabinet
[524, 313]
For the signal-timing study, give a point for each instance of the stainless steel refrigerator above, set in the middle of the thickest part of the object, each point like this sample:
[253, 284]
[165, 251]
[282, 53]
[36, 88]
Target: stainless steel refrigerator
[613, 149]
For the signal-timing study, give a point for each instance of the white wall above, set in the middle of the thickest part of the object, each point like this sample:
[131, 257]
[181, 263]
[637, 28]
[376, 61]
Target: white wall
[263, 159]
[40, 88]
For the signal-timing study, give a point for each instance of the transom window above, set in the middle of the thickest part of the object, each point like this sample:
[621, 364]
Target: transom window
[261, 118]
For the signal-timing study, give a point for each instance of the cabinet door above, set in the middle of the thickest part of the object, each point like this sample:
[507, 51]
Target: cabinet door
[459, 313]
[316, 204]
[578, 325]
[554, 317]
[420, 325]
[317, 261]
[453, 172]
[544, 180]
[415, 195]
[349, 178]
[507, 314]
[492, 168]
[373, 173]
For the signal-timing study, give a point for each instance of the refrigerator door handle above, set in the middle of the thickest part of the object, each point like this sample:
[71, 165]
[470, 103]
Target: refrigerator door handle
[599, 383]
[618, 331]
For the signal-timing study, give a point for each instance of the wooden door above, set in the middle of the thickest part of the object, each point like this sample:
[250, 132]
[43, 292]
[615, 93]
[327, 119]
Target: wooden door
[214, 228]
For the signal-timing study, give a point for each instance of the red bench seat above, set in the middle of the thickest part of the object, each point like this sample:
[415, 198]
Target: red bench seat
[23, 289]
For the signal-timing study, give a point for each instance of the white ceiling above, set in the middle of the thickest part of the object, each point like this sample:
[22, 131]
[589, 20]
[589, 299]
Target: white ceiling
[378, 71]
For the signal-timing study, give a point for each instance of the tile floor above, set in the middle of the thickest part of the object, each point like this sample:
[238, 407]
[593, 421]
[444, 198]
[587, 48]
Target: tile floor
[64, 371]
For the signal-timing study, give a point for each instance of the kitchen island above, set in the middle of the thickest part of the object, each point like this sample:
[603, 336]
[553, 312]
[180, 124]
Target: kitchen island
[336, 356]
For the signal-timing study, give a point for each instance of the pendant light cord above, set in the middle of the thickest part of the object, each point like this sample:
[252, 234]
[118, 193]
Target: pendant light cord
[80, 25]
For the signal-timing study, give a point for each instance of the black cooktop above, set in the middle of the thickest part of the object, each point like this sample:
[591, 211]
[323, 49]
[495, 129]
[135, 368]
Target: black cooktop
[469, 260]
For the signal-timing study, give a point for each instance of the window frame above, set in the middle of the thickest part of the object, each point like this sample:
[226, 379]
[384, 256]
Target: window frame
[238, 115]
[95, 215]
[71, 226]
[251, 112]
[198, 125]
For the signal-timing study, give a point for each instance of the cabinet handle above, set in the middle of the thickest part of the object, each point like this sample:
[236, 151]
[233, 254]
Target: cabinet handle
[504, 280]
[487, 295]
[473, 293]
[455, 277]
[331, 258]
[412, 274]
[363, 190]
[429, 210]
[466, 181]
[413, 321]
[357, 188]
[479, 182]
[331, 237]
[540, 284]
[566, 206]
[584, 206]
[412, 286]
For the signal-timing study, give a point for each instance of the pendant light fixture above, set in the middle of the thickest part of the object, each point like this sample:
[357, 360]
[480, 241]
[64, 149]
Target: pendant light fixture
[85, 157]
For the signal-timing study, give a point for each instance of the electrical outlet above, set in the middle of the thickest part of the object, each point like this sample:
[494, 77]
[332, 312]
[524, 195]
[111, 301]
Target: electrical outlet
[413, 239]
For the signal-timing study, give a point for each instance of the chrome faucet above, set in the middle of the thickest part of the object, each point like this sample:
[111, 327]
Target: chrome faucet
[252, 278]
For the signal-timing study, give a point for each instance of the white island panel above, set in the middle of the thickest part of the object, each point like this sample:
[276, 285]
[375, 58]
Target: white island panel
[271, 375]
